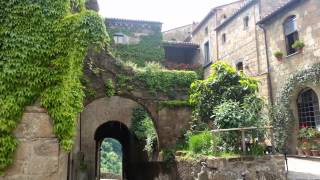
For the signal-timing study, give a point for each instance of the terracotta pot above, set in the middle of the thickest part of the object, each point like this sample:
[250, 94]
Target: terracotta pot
[300, 50]
[307, 152]
[300, 152]
[314, 152]
[279, 58]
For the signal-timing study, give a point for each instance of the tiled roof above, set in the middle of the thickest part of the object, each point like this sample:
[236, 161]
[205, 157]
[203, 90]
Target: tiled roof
[244, 6]
[278, 10]
[132, 21]
[180, 44]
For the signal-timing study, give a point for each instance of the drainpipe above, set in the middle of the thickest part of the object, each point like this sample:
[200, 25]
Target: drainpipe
[268, 64]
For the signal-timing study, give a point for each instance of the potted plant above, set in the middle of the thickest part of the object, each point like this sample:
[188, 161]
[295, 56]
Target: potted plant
[314, 150]
[299, 45]
[306, 148]
[306, 134]
[299, 150]
[278, 55]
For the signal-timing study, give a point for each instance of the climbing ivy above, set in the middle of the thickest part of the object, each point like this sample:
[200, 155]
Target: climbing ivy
[42, 47]
[156, 78]
[281, 113]
[109, 88]
[147, 50]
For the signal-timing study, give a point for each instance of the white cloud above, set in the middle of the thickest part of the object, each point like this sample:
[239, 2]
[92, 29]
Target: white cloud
[172, 13]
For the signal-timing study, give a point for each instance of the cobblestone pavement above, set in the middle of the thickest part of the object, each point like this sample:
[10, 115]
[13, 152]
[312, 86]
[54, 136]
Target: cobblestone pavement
[302, 169]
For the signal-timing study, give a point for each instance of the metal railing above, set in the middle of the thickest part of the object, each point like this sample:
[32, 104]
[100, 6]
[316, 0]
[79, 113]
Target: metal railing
[243, 134]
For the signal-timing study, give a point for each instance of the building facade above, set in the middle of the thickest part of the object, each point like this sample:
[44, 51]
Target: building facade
[247, 34]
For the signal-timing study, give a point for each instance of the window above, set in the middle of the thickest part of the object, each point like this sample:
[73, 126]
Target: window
[206, 31]
[308, 109]
[246, 22]
[291, 33]
[224, 38]
[239, 66]
[120, 38]
[206, 53]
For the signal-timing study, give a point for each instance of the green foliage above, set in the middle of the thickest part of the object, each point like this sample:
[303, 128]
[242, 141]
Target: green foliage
[109, 88]
[281, 113]
[227, 99]
[256, 150]
[224, 84]
[278, 54]
[174, 103]
[298, 44]
[232, 114]
[147, 50]
[42, 47]
[155, 78]
[111, 156]
[201, 143]
[143, 128]
[308, 133]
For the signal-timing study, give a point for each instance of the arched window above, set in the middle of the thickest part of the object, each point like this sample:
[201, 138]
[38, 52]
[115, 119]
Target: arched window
[308, 109]
[291, 33]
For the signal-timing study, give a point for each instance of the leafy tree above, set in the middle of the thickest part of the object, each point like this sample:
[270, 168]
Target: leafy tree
[111, 156]
[223, 85]
[227, 99]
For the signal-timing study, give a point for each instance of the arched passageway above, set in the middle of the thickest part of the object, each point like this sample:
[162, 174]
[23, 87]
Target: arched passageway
[132, 149]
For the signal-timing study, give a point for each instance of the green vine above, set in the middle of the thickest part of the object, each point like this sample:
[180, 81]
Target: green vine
[147, 50]
[42, 47]
[282, 115]
[109, 88]
[157, 79]
[175, 104]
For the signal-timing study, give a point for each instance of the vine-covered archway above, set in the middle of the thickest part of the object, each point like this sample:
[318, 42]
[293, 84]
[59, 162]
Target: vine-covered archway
[284, 112]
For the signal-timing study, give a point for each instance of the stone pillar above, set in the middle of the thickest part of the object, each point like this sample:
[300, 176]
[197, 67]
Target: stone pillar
[38, 155]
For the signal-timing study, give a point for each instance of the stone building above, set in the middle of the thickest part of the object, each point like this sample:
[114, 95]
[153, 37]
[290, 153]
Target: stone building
[296, 20]
[179, 33]
[127, 31]
[246, 34]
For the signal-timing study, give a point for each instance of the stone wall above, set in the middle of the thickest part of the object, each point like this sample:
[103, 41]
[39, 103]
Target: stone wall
[178, 34]
[307, 13]
[38, 155]
[200, 36]
[254, 168]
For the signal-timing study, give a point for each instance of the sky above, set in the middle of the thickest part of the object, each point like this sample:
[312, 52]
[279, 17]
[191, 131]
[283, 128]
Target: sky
[172, 13]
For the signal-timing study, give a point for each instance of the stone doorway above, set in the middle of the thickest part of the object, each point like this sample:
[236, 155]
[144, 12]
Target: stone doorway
[132, 151]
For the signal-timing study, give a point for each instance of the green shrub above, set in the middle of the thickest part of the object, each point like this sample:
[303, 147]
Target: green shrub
[278, 54]
[256, 150]
[201, 143]
[298, 44]
[109, 88]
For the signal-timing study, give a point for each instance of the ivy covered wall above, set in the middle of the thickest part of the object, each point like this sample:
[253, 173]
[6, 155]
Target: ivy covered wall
[43, 44]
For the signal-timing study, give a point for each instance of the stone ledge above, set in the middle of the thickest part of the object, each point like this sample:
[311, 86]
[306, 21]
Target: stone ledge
[35, 109]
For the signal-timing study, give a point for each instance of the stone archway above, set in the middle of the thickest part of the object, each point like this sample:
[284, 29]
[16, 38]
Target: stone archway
[132, 152]
[96, 123]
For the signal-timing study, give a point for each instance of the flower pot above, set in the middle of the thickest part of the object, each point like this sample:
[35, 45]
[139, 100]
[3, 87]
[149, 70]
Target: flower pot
[314, 152]
[279, 58]
[300, 152]
[300, 50]
[307, 152]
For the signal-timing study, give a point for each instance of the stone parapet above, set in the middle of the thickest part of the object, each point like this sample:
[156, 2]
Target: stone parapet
[251, 167]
